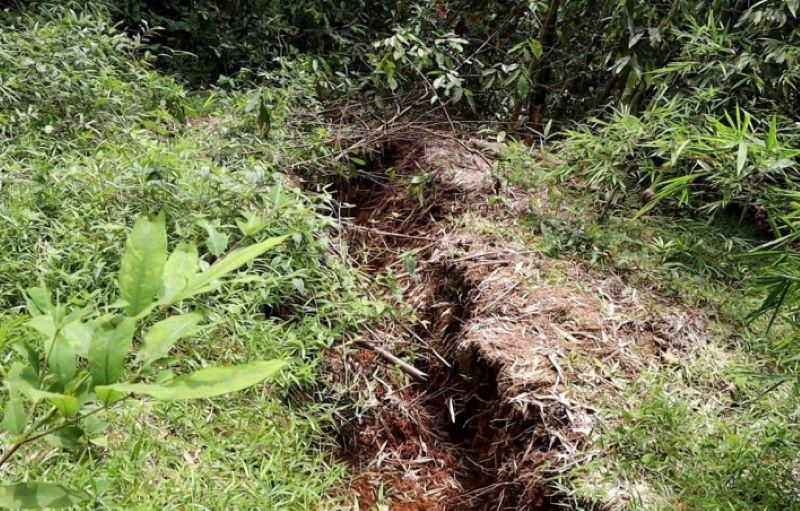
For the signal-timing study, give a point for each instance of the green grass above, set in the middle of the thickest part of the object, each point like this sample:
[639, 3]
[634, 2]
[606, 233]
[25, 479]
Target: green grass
[709, 431]
[690, 440]
[90, 141]
[687, 260]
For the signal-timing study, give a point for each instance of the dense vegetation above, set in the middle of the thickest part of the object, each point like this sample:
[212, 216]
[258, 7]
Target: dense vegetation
[182, 127]
[687, 107]
[93, 139]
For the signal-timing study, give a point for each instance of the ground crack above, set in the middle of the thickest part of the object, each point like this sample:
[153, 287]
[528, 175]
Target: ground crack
[454, 441]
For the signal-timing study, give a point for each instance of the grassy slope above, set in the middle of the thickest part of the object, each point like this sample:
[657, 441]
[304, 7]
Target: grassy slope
[700, 429]
[91, 138]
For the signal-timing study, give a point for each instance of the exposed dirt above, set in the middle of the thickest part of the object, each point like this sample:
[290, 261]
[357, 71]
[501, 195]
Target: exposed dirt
[502, 347]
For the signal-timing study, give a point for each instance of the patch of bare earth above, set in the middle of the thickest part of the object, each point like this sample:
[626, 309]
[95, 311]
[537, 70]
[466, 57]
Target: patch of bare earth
[512, 359]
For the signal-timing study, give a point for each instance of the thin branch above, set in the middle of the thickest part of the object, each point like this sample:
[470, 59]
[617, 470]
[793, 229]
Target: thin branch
[394, 359]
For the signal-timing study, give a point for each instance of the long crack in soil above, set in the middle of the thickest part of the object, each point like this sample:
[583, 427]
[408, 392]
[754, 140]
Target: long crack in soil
[448, 442]
[491, 421]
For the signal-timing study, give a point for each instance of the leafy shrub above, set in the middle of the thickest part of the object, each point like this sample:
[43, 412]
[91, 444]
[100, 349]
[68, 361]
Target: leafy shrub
[89, 86]
[75, 367]
[222, 37]
[701, 161]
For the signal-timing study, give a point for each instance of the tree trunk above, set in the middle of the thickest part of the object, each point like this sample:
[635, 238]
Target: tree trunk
[635, 98]
[541, 71]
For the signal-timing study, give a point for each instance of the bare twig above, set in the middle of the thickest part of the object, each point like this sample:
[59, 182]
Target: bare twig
[399, 362]
[392, 234]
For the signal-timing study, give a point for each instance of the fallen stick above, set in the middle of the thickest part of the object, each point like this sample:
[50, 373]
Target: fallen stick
[399, 362]
[387, 233]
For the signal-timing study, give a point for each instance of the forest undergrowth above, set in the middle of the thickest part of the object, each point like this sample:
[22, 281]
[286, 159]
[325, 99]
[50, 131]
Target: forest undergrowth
[584, 299]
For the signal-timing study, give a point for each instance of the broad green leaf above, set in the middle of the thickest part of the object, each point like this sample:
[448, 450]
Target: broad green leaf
[537, 48]
[75, 315]
[206, 383]
[217, 242]
[45, 324]
[108, 396]
[143, 264]
[164, 334]
[14, 419]
[66, 438]
[63, 361]
[278, 197]
[38, 300]
[108, 351]
[231, 262]
[79, 336]
[182, 265]
[67, 406]
[22, 379]
[410, 263]
[100, 441]
[38, 495]
[29, 353]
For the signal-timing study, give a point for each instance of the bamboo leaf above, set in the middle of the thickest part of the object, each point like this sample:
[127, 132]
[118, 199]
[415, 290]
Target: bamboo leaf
[669, 188]
[772, 134]
[230, 263]
[164, 334]
[205, 383]
[741, 157]
[39, 495]
[264, 119]
[143, 264]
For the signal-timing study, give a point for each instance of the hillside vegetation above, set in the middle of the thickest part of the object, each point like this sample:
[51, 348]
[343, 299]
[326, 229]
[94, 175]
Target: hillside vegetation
[386, 255]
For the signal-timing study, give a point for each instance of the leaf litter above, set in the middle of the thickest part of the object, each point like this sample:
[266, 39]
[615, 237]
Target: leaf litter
[520, 351]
